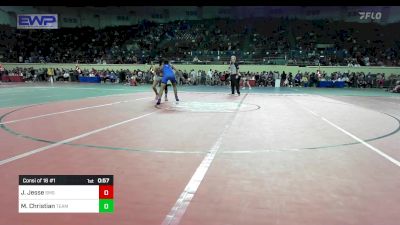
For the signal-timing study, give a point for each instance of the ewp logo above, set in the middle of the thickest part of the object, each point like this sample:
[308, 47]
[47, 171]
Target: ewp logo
[37, 21]
[370, 15]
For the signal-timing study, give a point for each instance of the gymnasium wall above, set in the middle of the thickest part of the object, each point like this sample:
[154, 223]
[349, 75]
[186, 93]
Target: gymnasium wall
[100, 17]
[243, 68]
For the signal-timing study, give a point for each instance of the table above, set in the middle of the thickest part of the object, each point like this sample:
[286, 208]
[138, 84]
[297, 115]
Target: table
[89, 79]
[338, 84]
[251, 82]
[66, 193]
[277, 83]
[6, 78]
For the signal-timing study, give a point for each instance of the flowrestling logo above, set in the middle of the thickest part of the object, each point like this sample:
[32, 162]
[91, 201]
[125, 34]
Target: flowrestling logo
[370, 15]
[37, 21]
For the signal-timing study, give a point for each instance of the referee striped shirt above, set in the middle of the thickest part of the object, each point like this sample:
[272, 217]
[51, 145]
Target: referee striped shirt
[233, 68]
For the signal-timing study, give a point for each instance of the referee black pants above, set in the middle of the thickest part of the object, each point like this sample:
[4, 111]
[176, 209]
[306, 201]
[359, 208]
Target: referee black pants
[235, 83]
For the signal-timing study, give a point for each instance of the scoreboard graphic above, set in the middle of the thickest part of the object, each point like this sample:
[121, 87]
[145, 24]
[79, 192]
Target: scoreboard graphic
[66, 194]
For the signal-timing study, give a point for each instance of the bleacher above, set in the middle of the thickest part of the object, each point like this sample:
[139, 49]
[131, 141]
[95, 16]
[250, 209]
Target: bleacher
[256, 40]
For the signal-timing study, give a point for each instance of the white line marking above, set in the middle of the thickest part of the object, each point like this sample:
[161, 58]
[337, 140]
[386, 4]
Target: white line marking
[202, 92]
[261, 151]
[381, 153]
[178, 210]
[2, 162]
[224, 93]
[394, 161]
[76, 99]
[80, 88]
[177, 152]
[35, 97]
[71, 110]
[312, 112]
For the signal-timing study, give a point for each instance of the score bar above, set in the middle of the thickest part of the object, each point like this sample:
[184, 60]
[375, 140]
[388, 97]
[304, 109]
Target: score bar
[66, 194]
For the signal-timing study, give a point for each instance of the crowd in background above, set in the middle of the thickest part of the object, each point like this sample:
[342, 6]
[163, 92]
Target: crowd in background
[254, 41]
[258, 40]
[210, 77]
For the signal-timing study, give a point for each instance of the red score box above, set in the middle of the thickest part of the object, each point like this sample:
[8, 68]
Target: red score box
[106, 192]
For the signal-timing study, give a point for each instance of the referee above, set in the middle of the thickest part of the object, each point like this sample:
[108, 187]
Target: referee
[235, 76]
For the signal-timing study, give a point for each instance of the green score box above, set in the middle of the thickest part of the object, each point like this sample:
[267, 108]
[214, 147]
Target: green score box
[106, 205]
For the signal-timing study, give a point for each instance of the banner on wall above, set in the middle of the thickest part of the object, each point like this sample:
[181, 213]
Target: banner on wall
[37, 21]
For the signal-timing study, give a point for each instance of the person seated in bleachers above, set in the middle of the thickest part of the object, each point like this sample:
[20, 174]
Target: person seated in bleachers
[103, 76]
[313, 80]
[2, 71]
[361, 80]
[368, 80]
[66, 75]
[297, 79]
[209, 77]
[28, 76]
[203, 77]
[270, 82]
[283, 79]
[290, 80]
[285, 83]
[304, 81]
[346, 80]
[192, 77]
[396, 89]
[185, 78]
[380, 80]
[257, 79]
[215, 78]
[57, 74]
[352, 80]
[92, 73]
[263, 79]
[128, 78]
[223, 78]
[139, 77]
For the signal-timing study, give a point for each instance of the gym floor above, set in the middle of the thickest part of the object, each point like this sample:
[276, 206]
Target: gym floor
[287, 156]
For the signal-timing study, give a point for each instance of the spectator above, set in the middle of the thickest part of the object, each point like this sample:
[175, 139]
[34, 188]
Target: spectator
[50, 74]
[304, 81]
[284, 78]
[313, 79]
[209, 77]
[270, 81]
[396, 89]
[297, 79]
[290, 80]
[66, 76]
[380, 80]
[2, 71]
[346, 80]
[369, 80]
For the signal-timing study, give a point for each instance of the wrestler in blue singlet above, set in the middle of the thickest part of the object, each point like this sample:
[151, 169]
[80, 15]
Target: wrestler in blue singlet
[168, 74]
